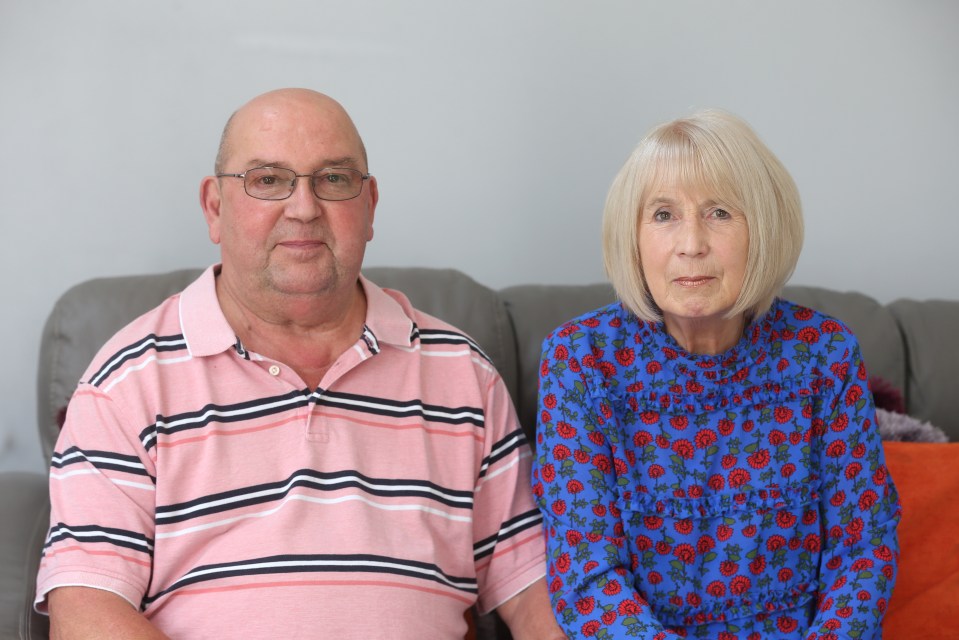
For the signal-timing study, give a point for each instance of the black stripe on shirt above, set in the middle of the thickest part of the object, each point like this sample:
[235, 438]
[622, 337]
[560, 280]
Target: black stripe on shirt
[100, 460]
[509, 529]
[316, 481]
[512, 442]
[94, 533]
[150, 343]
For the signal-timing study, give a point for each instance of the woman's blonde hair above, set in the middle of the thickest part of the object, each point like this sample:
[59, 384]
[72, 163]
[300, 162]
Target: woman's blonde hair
[719, 153]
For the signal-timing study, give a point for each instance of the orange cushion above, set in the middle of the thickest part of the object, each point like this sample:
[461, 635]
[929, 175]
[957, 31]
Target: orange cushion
[925, 601]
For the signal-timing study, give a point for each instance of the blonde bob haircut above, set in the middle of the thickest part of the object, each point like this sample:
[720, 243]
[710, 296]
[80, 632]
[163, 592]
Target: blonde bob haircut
[720, 154]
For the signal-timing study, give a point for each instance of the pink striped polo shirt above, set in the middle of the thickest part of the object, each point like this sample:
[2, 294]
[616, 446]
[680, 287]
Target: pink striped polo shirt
[210, 488]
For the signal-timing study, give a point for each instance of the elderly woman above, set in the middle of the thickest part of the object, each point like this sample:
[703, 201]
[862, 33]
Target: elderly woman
[708, 462]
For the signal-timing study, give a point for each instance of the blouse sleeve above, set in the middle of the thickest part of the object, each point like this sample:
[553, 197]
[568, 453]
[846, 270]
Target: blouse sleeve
[590, 571]
[860, 511]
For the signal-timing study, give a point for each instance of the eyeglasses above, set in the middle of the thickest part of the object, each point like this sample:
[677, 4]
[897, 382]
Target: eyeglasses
[276, 183]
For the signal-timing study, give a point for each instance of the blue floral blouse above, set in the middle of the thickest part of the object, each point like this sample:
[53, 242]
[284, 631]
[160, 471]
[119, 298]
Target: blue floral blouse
[737, 496]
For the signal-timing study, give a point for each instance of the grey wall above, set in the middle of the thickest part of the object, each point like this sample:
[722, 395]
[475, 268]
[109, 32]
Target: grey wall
[494, 129]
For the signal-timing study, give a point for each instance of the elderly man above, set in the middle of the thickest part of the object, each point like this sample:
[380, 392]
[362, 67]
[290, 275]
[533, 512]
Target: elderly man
[284, 449]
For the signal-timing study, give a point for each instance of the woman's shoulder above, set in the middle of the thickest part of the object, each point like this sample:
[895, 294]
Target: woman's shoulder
[611, 318]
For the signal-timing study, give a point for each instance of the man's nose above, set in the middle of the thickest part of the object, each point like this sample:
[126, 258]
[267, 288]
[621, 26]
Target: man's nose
[303, 203]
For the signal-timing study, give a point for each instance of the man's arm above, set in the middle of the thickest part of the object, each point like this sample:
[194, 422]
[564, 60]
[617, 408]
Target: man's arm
[529, 615]
[84, 612]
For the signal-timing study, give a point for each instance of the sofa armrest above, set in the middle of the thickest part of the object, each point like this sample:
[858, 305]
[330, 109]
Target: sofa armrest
[24, 520]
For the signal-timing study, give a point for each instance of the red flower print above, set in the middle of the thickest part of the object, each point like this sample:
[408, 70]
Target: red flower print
[776, 438]
[728, 461]
[574, 486]
[563, 563]
[545, 418]
[758, 459]
[840, 423]
[629, 608]
[589, 566]
[716, 482]
[649, 417]
[599, 510]
[862, 564]
[775, 542]
[859, 450]
[782, 365]
[656, 471]
[684, 526]
[609, 617]
[669, 353]
[787, 624]
[723, 532]
[642, 438]
[679, 422]
[620, 465]
[560, 352]
[716, 588]
[597, 438]
[653, 367]
[802, 313]
[591, 322]
[693, 387]
[601, 462]
[852, 470]
[879, 478]
[625, 356]
[612, 588]
[643, 543]
[830, 326]
[855, 526]
[809, 517]
[607, 368]
[787, 470]
[555, 585]
[705, 544]
[705, 438]
[739, 585]
[809, 335]
[853, 395]
[580, 456]
[684, 449]
[685, 552]
[785, 574]
[590, 628]
[867, 499]
[652, 522]
[749, 530]
[785, 520]
[635, 387]
[574, 365]
[565, 430]
[654, 577]
[663, 548]
[838, 499]
[561, 452]
[782, 414]
[573, 538]
[738, 477]
[728, 567]
[812, 543]
[549, 401]
[882, 552]
[559, 507]
[568, 330]
[758, 565]
[544, 368]
[836, 449]
[548, 472]
[844, 612]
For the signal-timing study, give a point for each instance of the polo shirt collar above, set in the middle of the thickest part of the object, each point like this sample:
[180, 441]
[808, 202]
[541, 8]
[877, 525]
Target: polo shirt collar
[207, 332]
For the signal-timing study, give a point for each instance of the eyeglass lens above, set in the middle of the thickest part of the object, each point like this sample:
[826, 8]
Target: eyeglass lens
[274, 183]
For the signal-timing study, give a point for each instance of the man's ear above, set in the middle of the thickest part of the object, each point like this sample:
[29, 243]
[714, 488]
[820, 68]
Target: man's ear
[374, 198]
[210, 202]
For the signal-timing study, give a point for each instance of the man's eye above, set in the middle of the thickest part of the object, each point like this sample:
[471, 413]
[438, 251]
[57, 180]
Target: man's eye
[267, 180]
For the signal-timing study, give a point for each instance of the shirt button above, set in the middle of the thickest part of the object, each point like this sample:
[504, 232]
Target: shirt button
[274, 370]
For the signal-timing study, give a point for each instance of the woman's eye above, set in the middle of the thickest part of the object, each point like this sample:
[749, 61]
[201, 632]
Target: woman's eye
[722, 214]
[661, 216]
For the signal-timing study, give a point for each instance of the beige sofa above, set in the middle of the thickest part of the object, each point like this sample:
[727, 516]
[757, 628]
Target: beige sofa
[914, 345]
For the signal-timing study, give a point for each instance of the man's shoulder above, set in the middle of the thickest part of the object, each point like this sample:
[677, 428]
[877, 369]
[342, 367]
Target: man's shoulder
[158, 329]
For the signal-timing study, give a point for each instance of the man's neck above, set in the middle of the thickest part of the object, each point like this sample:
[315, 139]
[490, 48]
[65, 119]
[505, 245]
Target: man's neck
[307, 333]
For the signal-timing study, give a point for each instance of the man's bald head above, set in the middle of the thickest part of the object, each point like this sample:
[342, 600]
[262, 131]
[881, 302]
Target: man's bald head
[276, 101]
